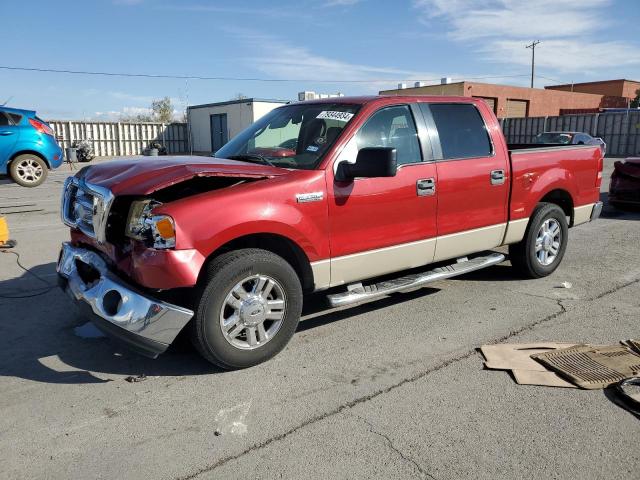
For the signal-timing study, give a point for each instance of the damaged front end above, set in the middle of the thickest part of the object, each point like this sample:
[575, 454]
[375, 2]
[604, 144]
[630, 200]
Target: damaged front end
[624, 187]
[121, 251]
[126, 266]
[142, 322]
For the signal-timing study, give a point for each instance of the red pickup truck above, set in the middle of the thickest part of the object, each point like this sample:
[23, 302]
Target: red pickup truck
[360, 197]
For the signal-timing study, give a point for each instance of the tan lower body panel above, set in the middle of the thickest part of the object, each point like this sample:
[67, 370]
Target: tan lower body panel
[321, 274]
[515, 231]
[373, 263]
[471, 241]
[582, 214]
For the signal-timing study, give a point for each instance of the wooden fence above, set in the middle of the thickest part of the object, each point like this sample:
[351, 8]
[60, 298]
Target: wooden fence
[620, 131]
[120, 138]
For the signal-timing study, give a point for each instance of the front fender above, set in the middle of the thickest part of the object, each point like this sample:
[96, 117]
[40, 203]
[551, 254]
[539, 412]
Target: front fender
[207, 222]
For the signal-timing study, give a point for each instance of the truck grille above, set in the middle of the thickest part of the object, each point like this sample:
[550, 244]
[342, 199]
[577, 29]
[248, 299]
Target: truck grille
[86, 207]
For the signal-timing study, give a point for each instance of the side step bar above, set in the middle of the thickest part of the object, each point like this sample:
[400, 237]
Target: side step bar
[357, 292]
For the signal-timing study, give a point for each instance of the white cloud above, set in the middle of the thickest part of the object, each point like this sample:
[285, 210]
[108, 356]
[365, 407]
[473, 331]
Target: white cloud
[500, 29]
[280, 59]
[565, 55]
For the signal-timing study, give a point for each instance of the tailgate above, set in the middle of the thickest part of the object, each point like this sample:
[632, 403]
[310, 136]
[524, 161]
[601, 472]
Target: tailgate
[576, 169]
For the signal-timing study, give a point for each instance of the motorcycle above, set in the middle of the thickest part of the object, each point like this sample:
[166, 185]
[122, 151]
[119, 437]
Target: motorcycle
[84, 150]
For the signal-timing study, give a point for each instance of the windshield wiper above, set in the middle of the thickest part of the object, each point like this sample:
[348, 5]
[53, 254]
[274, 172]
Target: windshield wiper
[252, 157]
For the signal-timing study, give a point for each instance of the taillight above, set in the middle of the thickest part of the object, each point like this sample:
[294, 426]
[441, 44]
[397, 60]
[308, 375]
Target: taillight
[41, 127]
[599, 174]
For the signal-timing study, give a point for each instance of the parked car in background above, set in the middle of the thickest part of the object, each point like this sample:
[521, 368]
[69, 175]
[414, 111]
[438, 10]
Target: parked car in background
[624, 189]
[28, 148]
[228, 246]
[570, 138]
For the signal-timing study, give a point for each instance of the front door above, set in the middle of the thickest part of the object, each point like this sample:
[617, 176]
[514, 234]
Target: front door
[219, 133]
[382, 225]
[473, 180]
[8, 138]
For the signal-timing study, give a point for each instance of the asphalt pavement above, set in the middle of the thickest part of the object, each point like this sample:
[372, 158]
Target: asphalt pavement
[388, 389]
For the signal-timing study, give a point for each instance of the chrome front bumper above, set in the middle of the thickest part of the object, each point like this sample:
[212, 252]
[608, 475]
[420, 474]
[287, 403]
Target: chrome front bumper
[145, 324]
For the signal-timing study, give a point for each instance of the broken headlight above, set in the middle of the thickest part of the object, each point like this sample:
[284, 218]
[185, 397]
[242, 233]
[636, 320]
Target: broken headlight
[157, 231]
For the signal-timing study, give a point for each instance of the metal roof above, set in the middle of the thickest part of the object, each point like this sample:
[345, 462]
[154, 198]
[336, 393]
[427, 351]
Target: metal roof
[233, 102]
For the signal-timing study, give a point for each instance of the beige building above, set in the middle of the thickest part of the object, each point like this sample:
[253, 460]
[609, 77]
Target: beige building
[212, 125]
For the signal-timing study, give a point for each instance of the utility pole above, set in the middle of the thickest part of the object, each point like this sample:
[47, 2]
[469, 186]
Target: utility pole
[533, 58]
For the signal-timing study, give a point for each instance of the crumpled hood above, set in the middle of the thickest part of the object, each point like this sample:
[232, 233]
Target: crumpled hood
[630, 167]
[147, 175]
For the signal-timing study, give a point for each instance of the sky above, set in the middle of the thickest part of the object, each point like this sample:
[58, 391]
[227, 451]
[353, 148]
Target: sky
[354, 47]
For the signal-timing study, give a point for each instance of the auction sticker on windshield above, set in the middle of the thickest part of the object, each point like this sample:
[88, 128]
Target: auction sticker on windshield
[339, 116]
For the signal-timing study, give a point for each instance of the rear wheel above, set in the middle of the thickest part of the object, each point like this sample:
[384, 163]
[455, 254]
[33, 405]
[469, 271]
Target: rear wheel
[248, 309]
[544, 243]
[28, 170]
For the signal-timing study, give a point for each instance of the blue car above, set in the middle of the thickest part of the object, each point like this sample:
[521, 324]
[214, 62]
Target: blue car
[28, 148]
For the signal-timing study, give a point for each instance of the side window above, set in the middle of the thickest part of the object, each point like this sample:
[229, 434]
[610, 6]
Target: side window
[4, 121]
[15, 118]
[461, 129]
[392, 127]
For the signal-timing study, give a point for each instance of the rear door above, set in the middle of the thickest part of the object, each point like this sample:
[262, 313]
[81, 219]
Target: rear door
[473, 180]
[8, 138]
[384, 225]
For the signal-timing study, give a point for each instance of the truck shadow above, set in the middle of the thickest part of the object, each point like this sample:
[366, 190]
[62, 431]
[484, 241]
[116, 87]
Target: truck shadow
[44, 338]
[618, 212]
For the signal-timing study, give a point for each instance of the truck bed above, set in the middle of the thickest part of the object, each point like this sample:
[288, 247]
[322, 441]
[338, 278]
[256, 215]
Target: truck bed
[538, 170]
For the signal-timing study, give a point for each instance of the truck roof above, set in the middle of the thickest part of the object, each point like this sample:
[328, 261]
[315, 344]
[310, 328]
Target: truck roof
[363, 100]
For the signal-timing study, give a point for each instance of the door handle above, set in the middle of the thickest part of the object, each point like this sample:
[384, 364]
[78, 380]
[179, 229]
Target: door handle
[6, 132]
[426, 187]
[497, 177]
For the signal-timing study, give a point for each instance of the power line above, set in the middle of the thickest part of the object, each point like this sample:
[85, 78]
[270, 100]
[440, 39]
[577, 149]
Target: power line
[234, 79]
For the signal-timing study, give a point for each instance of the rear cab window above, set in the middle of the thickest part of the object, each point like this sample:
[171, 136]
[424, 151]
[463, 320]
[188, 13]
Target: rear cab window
[461, 130]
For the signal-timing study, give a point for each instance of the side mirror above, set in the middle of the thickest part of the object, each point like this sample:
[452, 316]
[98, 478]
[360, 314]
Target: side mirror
[371, 162]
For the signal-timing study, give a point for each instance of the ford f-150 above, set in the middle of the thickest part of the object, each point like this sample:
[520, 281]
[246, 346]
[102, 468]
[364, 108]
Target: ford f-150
[359, 197]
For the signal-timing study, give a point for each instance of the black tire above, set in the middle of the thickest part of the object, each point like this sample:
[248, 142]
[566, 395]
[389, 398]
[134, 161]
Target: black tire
[221, 276]
[523, 255]
[21, 169]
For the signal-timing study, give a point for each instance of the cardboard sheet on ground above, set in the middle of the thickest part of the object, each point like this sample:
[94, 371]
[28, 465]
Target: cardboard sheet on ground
[526, 371]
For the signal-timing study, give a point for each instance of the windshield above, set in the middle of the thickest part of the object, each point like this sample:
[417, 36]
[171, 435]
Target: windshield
[553, 137]
[293, 136]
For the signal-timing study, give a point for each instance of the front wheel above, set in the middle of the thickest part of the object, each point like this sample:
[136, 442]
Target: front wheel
[248, 309]
[544, 243]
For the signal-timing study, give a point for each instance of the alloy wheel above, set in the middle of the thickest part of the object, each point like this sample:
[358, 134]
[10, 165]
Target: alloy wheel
[548, 241]
[253, 312]
[29, 170]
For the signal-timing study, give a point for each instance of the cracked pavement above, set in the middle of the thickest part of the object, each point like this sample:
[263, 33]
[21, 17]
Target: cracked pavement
[389, 389]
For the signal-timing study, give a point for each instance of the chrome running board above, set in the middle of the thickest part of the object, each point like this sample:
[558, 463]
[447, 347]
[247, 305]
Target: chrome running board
[358, 293]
